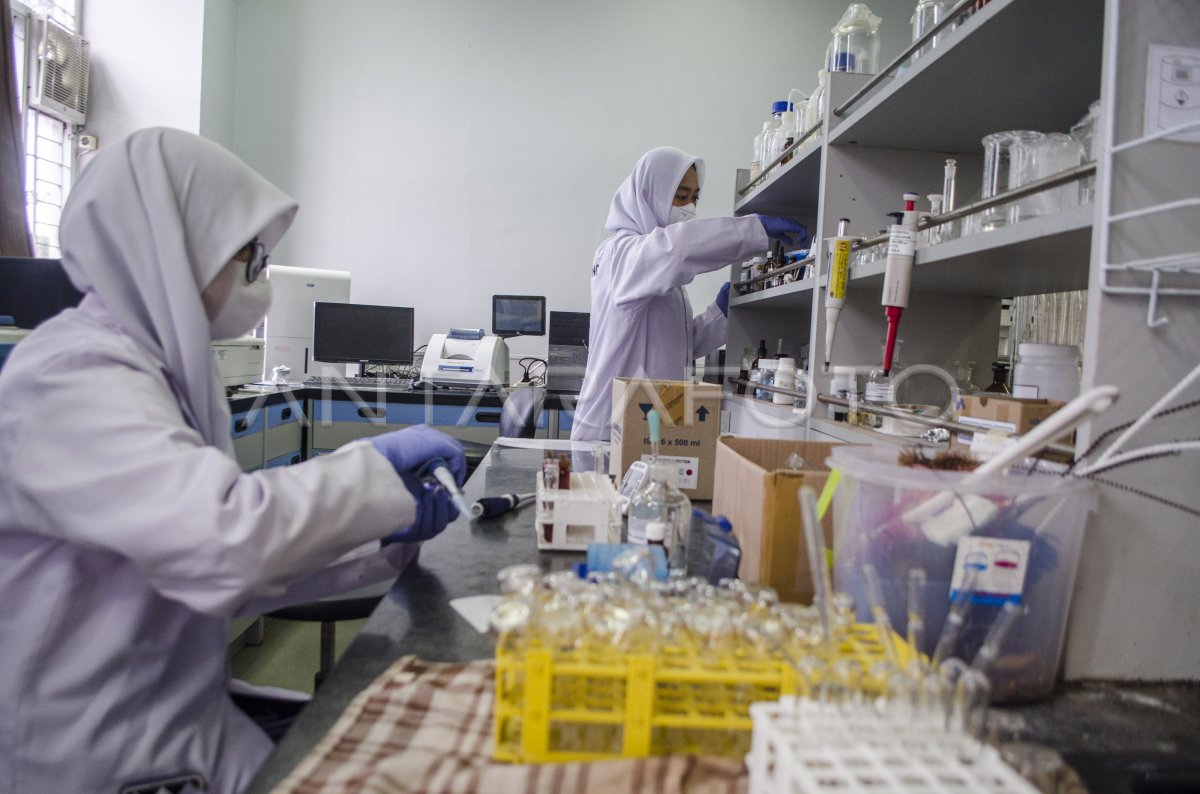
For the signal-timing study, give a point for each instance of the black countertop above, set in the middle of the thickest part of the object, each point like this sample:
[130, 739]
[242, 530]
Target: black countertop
[1119, 737]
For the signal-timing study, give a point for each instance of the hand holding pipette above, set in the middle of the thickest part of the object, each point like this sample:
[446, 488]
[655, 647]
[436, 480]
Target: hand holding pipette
[442, 474]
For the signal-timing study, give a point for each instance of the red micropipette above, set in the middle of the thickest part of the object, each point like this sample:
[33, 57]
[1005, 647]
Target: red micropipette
[898, 275]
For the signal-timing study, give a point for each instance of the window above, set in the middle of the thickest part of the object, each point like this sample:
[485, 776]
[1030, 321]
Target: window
[49, 143]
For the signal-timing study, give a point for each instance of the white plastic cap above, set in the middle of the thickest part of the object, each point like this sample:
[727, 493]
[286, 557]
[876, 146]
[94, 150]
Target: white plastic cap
[656, 531]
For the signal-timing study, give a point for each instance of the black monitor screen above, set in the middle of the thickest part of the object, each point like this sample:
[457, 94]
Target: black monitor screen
[349, 332]
[34, 290]
[569, 328]
[519, 315]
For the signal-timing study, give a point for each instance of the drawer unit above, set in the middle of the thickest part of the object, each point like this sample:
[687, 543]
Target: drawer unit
[247, 428]
[283, 434]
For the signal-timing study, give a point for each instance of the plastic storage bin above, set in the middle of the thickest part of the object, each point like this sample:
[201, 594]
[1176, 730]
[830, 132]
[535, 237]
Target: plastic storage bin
[579, 706]
[1022, 533]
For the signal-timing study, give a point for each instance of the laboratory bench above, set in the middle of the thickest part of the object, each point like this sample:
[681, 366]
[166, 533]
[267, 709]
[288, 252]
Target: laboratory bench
[1119, 737]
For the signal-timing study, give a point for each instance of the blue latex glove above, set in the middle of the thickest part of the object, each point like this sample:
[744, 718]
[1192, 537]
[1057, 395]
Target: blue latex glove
[434, 510]
[411, 448]
[412, 452]
[785, 230]
[723, 299]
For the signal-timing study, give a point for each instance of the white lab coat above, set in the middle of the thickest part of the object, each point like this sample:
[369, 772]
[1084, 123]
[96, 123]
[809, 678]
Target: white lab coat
[126, 544]
[641, 321]
[128, 534]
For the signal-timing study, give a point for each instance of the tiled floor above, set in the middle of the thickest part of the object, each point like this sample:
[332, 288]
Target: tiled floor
[289, 654]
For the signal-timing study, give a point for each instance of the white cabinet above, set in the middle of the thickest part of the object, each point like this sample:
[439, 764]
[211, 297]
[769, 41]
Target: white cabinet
[1036, 65]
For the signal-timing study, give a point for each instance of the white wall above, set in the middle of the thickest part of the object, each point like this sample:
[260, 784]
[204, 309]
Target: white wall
[446, 151]
[218, 71]
[146, 65]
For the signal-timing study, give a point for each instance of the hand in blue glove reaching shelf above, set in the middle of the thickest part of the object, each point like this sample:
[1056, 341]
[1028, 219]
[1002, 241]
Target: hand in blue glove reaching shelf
[785, 230]
[414, 452]
[723, 299]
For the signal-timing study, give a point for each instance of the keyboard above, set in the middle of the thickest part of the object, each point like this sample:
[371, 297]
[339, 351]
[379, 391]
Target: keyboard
[341, 381]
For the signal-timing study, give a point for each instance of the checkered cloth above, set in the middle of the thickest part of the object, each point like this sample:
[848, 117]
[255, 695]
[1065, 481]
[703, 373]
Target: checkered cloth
[427, 727]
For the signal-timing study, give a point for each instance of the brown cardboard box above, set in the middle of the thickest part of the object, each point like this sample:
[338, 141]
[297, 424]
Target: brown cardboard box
[691, 422]
[1012, 415]
[760, 498]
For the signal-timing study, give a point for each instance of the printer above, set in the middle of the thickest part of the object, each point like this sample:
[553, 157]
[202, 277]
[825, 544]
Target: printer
[465, 358]
[239, 360]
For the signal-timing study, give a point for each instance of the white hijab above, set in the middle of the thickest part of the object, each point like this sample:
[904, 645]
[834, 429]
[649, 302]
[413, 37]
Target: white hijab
[643, 202]
[149, 224]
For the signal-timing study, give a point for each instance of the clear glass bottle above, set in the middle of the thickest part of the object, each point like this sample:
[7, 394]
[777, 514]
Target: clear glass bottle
[659, 501]
[855, 44]
[679, 514]
[964, 374]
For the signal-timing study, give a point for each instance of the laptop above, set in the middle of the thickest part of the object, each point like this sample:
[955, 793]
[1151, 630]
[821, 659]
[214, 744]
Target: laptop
[567, 360]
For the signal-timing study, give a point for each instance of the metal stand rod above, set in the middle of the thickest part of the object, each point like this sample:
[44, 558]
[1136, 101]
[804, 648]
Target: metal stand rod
[930, 421]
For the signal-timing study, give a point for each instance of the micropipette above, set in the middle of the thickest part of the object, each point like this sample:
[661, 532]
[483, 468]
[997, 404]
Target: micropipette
[835, 289]
[491, 506]
[897, 278]
[443, 476]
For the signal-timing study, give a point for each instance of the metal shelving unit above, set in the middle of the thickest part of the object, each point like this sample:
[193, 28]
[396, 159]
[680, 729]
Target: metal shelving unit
[879, 142]
[1029, 64]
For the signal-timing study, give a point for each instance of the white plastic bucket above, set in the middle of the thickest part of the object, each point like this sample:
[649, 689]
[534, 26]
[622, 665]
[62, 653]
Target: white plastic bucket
[1046, 371]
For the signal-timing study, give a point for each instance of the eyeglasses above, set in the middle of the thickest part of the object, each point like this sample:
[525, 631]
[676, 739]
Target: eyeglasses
[254, 254]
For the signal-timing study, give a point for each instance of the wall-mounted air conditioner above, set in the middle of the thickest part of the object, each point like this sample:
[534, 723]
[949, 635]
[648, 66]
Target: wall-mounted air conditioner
[59, 71]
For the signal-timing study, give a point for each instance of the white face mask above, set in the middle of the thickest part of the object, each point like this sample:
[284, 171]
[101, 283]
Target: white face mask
[242, 311]
[684, 213]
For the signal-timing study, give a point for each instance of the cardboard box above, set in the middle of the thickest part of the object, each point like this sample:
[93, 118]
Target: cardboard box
[760, 498]
[1012, 415]
[691, 422]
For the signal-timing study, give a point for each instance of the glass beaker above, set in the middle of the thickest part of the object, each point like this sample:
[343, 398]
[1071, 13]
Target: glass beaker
[1038, 158]
[1085, 132]
[927, 14]
[997, 171]
[855, 45]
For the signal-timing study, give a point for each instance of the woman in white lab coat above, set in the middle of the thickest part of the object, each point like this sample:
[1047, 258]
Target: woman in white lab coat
[641, 319]
[128, 534]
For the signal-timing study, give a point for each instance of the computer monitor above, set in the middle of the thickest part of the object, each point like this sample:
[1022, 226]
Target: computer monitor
[519, 315]
[568, 352]
[33, 290]
[361, 333]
